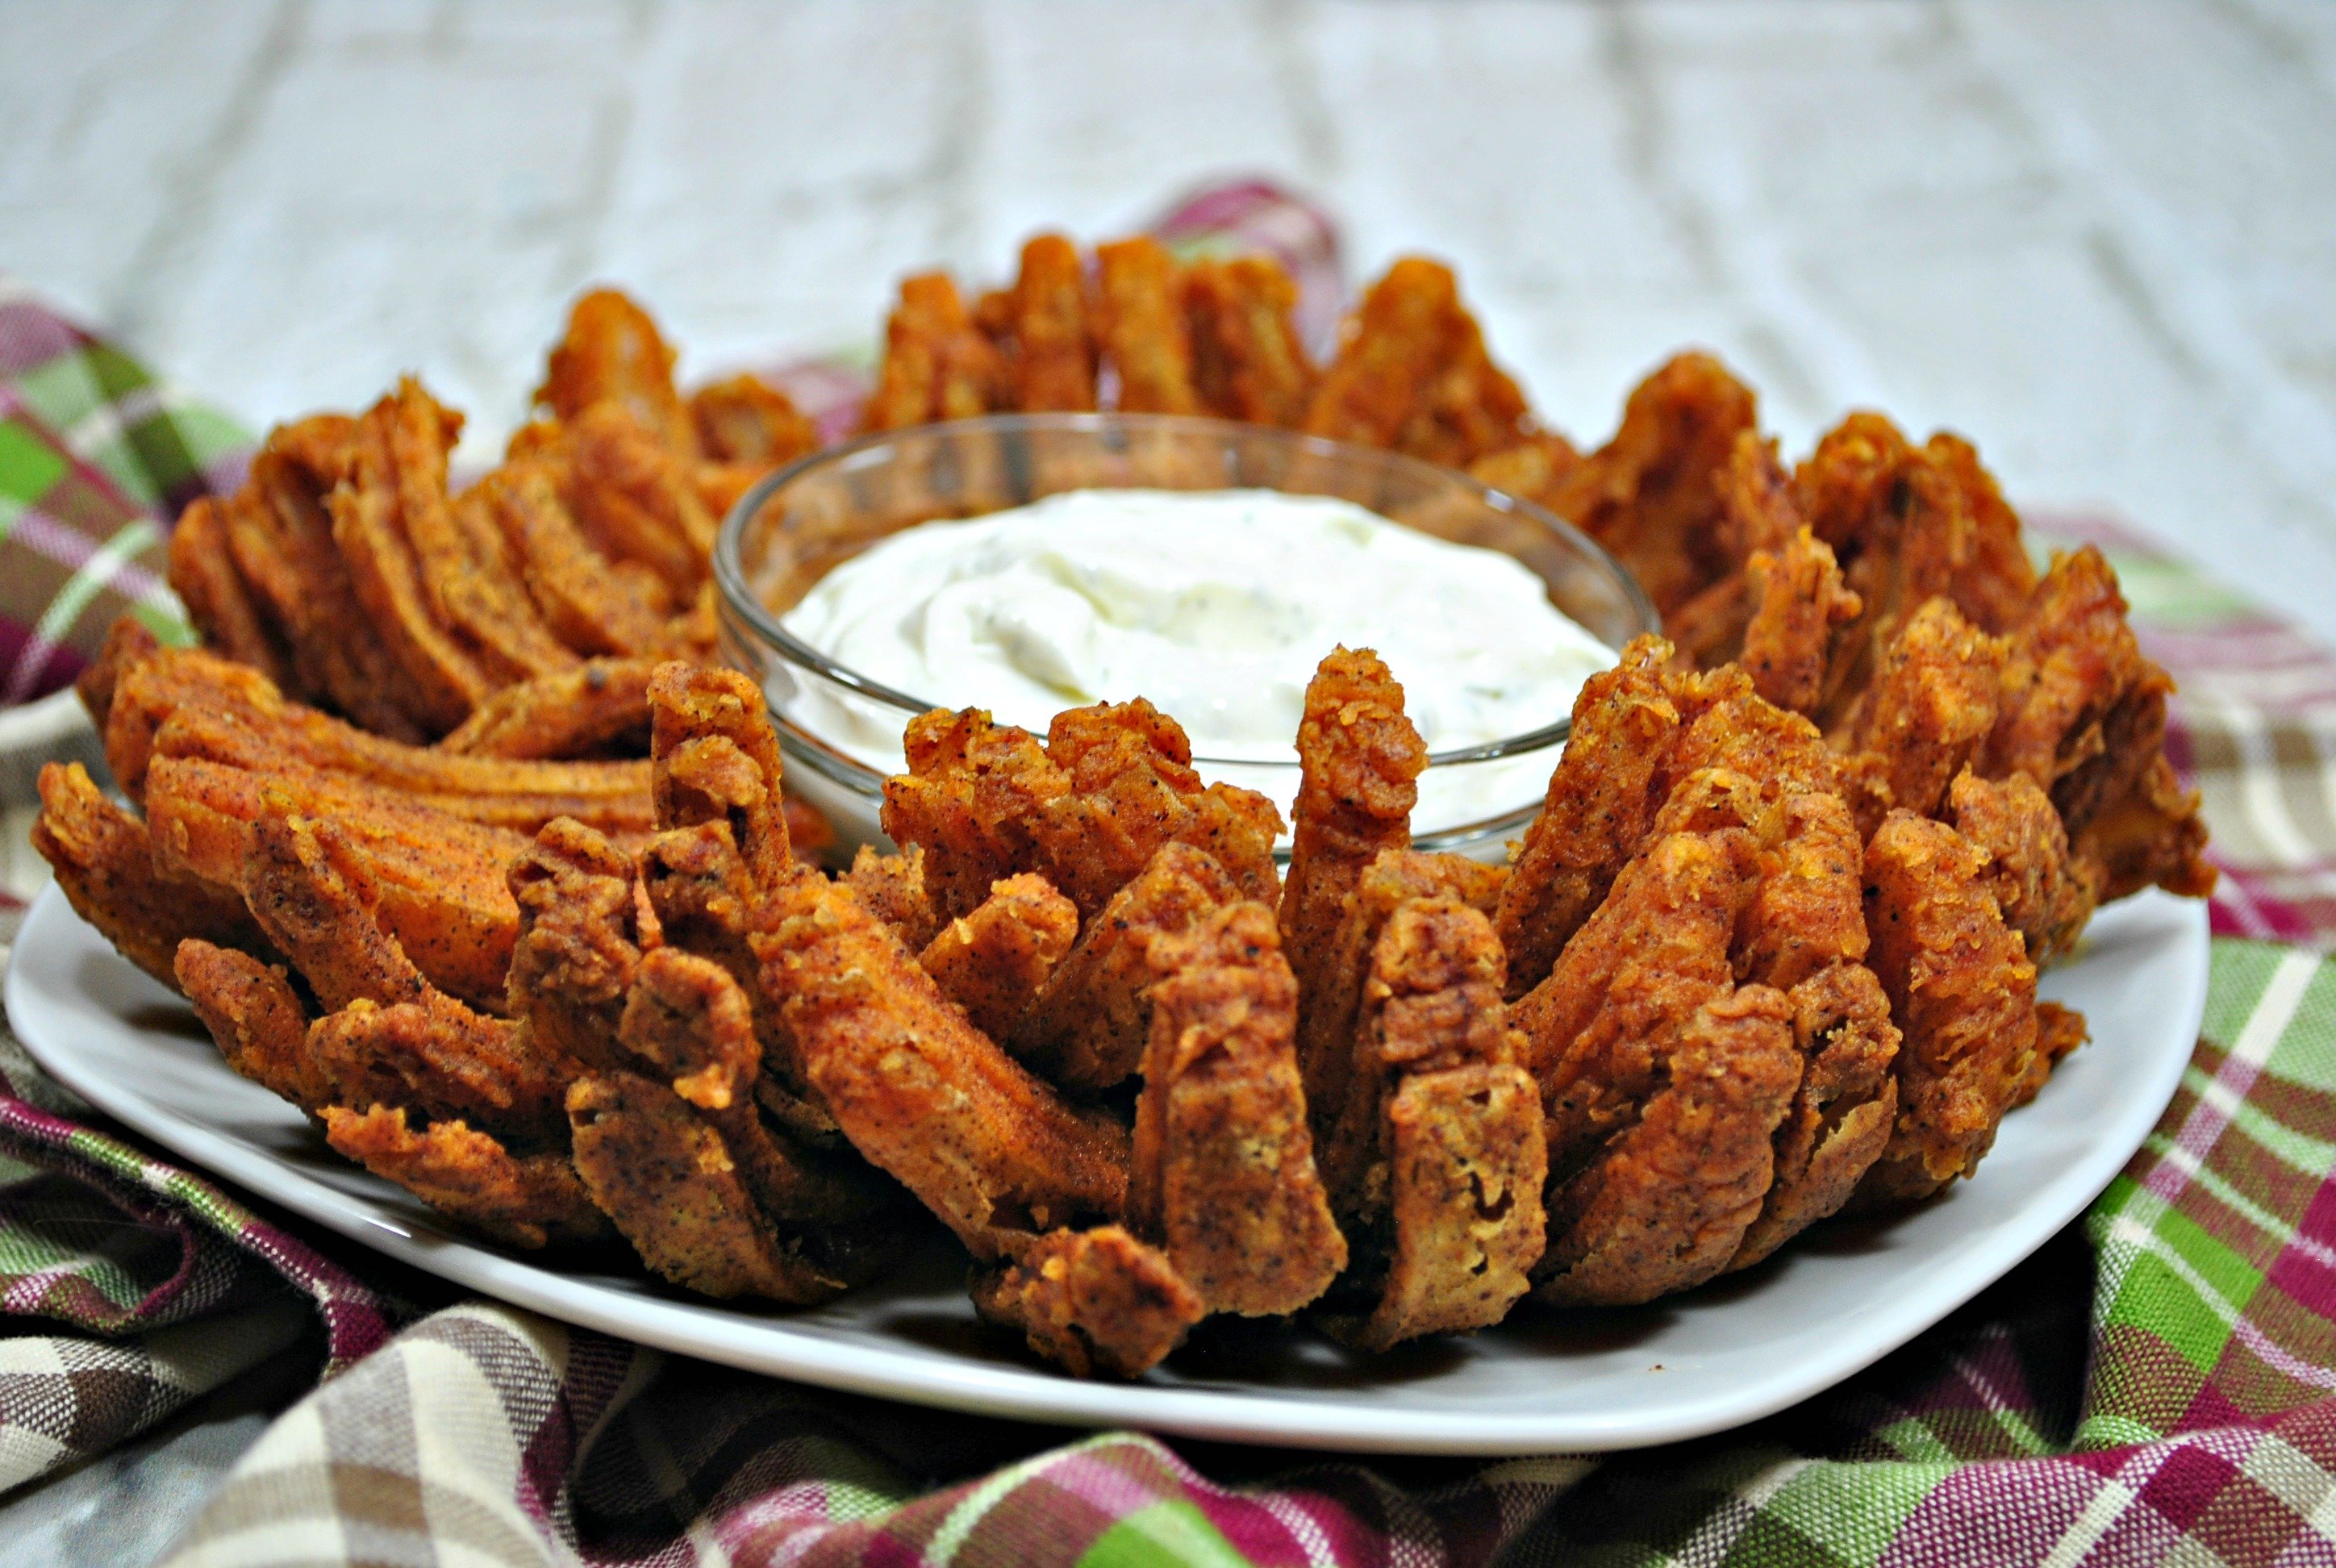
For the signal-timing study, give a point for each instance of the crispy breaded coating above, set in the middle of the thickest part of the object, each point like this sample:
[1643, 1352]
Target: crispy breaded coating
[1087, 812]
[688, 1018]
[658, 1169]
[892, 887]
[613, 353]
[579, 943]
[1800, 607]
[1962, 992]
[1445, 1213]
[2083, 716]
[1359, 760]
[1412, 373]
[937, 364]
[745, 420]
[1729, 725]
[1601, 797]
[716, 758]
[2058, 1031]
[441, 879]
[994, 961]
[203, 573]
[2153, 835]
[1088, 1027]
[318, 906]
[127, 642]
[1806, 913]
[256, 1017]
[1341, 1096]
[1223, 1171]
[104, 864]
[437, 1056]
[1093, 1302]
[1932, 706]
[634, 496]
[1247, 360]
[1840, 1117]
[189, 705]
[1803, 931]
[529, 1200]
[2045, 895]
[1758, 515]
[1908, 525]
[592, 603]
[584, 712]
[701, 894]
[1627, 984]
[280, 531]
[1665, 1204]
[920, 1091]
[394, 533]
[1141, 326]
[1649, 494]
[1054, 362]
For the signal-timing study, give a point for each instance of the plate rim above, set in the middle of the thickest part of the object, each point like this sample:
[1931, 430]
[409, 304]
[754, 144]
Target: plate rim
[771, 1347]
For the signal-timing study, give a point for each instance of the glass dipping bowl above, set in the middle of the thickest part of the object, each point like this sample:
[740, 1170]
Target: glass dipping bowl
[798, 523]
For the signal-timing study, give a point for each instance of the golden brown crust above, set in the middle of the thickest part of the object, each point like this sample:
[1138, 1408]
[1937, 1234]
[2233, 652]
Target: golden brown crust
[1223, 1172]
[920, 1091]
[1649, 495]
[1053, 367]
[1800, 605]
[186, 704]
[105, 865]
[1444, 1215]
[593, 604]
[1412, 373]
[716, 758]
[636, 497]
[391, 527]
[1087, 812]
[1140, 321]
[579, 943]
[660, 1170]
[584, 711]
[1359, 761]
[203, 573]
[994, 961]
[441, 879]
[1628, 982]
[1962, 992]
[280, 533]
[743, 420]
[2044, 894]
[892, 887]
[528, 1201]
[1093, 1302]
[937, 364]
[1088, 1027]
[612, 352]
[1840, 1117]
[1931, 707]
[1601, 799]
[1247, 360]
[1665, 1204]
[256, 1017]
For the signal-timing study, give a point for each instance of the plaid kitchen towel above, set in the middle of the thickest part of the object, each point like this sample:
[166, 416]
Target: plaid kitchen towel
[2159, 1385]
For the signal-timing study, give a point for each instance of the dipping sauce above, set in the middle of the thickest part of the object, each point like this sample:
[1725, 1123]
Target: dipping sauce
[1216, 606]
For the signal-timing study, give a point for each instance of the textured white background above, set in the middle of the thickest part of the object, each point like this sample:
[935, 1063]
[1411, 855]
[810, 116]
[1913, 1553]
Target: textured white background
[2098, 239]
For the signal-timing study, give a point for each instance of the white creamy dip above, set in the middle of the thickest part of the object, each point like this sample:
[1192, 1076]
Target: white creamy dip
[1216, 606]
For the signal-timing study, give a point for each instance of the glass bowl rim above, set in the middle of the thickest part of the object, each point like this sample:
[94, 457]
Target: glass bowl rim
[730, 574]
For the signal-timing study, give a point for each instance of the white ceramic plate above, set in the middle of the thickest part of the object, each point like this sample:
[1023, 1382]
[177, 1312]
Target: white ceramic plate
[1832, 1303]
